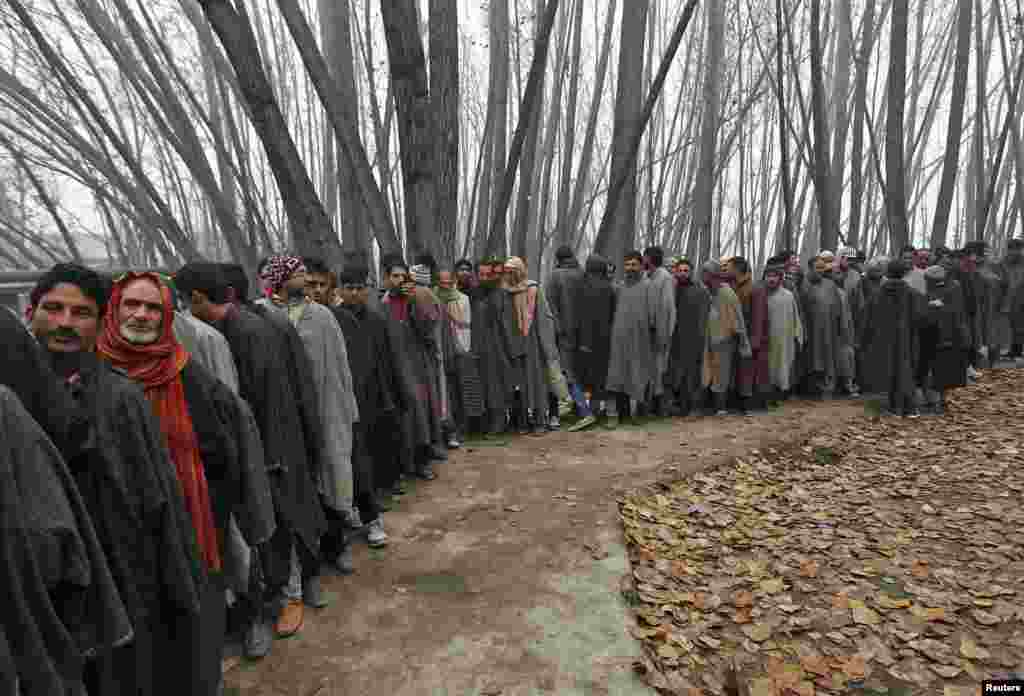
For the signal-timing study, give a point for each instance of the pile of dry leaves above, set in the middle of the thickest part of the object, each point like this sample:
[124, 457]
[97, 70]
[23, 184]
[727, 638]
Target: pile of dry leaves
[883, 558]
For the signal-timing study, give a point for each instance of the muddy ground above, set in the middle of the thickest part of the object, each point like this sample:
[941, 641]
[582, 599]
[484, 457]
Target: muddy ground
[503, 575]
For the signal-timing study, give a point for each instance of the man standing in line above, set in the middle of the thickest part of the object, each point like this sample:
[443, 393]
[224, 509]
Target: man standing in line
[560, 289]
[1013, 278]
[686, 356]
[726, 335]
[785, 331]
[141, 519]
[751, 373]
[662, 288]
[378, 390]
[290, 559]
[191, 406]
[631, 367]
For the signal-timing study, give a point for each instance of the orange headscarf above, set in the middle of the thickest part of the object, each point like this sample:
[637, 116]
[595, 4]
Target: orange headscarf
[157, 367]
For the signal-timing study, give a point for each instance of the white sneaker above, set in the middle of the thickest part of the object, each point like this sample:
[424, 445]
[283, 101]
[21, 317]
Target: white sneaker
[376, 537]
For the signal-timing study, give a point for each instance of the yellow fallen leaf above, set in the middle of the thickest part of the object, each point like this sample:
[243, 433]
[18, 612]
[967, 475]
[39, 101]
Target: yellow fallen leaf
[928, 613]
[887, 601]
[758, 632]
[772, 585]
[862, 614]
[970, 649]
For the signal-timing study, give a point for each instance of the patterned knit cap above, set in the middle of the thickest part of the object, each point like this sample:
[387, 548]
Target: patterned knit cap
[279, 270]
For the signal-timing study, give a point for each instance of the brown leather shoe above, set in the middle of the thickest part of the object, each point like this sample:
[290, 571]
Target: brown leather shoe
[290, 620]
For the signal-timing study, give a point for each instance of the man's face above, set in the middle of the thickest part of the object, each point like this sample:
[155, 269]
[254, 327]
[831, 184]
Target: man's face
[793, 264]
[647, 264]
[355, 294]
[464, 276]
[66, 320]
[632, 265]
[682, 272]
[319, 287]
[396, 278]
[445, 280]
[844, 263]
[295, 287]
[922, 257]
[773, 280]
[486, 273]
[730, 269]
[822, 265]
[141, 312]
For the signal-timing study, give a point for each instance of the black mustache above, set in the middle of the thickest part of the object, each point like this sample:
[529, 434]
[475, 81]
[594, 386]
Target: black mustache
[64, 333]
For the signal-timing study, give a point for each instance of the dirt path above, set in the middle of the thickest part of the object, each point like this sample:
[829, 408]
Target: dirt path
[503, 575]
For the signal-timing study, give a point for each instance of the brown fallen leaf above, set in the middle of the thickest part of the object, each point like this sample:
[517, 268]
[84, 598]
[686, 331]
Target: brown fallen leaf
[946, 671]
[841, 601]
[816, 664]
[855, 667]
[680, 570]
[919, 570]
[984, 618]
[809, 569]
[742, 615]
[743, 598]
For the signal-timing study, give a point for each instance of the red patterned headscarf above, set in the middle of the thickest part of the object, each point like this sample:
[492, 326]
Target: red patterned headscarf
[157, 367]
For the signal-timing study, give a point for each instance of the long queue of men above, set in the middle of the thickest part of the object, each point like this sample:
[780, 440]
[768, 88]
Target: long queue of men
[181, 460]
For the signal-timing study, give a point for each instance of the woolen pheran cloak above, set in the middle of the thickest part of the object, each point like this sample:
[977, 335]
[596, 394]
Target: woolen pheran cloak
[269, 377]
[631, 367]
[337, 408]
[60, 600]
[661, 288]
[686, 357]
[890, 339]
[823, 326]
[785, 336]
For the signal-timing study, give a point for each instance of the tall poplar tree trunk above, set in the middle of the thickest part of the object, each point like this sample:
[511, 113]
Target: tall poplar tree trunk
[896, 200]
[498, 110]
[415, 122]
[336, 30]
[860, 99]
[445, 99]
[827, 230]
[786, 240]
[951, 161]
[704, 193]
[841, 120]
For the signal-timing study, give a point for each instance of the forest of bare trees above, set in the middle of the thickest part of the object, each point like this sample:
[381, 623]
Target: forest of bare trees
[148, 133]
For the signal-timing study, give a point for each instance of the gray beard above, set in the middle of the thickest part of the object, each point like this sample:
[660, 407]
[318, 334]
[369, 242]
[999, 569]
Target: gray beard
[139, 338]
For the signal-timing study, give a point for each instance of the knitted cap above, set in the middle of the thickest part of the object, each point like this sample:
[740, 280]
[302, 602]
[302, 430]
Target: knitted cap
[421, 275]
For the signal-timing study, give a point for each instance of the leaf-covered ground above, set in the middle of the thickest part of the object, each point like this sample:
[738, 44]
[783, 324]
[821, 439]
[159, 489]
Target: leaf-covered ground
[884, 557]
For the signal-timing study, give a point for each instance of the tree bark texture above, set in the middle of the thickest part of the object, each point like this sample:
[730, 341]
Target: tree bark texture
[445, 100]
[415, 122]
[896, 184]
